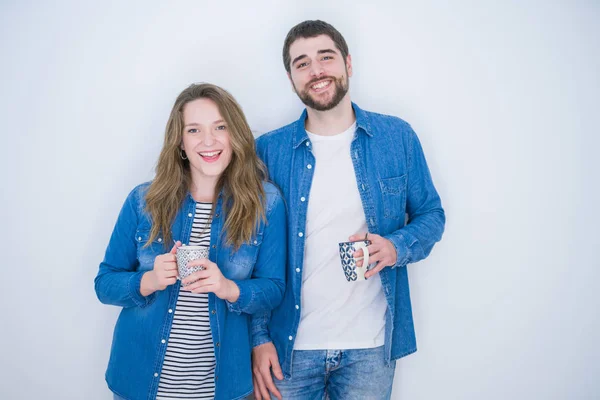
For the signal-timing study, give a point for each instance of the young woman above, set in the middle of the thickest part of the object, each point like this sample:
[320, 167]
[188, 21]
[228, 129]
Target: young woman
[191, 338]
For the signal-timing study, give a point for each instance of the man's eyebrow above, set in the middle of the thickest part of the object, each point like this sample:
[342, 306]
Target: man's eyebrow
[324, 51]
[299, 58]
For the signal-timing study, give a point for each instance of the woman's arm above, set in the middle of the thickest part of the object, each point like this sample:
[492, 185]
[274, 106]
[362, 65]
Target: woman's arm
[264, 291]
[118, 279]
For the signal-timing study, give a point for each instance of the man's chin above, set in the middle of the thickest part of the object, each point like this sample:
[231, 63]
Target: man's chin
[318, 105]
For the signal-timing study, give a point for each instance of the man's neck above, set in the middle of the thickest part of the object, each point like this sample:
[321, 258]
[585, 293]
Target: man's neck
[331, 122]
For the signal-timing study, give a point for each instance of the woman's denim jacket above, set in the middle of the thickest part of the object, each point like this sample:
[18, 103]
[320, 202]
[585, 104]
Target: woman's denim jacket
[142, 330]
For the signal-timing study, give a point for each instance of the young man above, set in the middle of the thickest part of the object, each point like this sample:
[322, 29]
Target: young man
[346, 174]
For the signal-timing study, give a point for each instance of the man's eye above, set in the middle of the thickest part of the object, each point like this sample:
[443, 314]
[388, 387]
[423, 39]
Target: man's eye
[302, 65]
[327, 58]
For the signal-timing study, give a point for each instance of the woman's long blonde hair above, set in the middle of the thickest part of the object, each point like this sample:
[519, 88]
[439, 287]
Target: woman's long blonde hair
[241, 184]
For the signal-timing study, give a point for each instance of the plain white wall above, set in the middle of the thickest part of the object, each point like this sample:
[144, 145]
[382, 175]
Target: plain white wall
[503, 96]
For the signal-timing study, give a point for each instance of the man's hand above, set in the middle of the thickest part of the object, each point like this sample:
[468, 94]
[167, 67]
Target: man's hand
[264, 359]
[381, 251]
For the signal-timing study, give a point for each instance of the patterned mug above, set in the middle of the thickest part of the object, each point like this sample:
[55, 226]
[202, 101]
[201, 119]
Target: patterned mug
[352, 272]
[186, 254]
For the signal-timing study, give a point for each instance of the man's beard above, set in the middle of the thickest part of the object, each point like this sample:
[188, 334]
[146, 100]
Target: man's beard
[341, 88]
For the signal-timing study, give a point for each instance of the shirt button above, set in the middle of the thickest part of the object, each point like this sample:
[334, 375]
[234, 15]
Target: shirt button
[163, 341]
[290, 338]
[363, 186]
[309, 166]
[170, 310]
[155, 374]
[300, 234]
[256, 242]
[160, 239]
[297, 269]
[217, 344]
[213, 312]
[139, 238]
[190, 215]
[214, 246]
[307, 143]
[297, 307]
[302, 198]
[216, 215]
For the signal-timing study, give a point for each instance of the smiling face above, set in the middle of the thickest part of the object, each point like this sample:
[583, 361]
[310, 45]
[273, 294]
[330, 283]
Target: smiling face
[318, 72]
[205, 140]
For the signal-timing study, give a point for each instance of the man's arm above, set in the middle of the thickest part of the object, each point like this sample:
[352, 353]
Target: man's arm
[426, 217]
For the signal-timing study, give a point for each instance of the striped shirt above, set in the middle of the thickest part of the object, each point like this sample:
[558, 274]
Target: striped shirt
[189, 364]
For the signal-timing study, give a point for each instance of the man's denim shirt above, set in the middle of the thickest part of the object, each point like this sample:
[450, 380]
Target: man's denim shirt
[142, 330]
[399, 202]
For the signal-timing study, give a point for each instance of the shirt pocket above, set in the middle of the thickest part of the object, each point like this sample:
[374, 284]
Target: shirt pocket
[241, 262]
[393, 193]
[147, 254]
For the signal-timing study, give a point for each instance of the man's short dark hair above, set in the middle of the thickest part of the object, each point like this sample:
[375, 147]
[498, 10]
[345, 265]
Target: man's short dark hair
[310, 29]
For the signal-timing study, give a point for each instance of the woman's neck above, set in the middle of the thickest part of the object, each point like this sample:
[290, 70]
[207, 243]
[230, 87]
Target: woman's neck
[202, 189]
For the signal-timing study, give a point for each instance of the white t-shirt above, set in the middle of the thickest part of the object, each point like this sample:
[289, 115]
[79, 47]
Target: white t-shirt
[336, 314]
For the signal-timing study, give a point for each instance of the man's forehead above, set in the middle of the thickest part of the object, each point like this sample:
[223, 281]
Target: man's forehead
[311, 45]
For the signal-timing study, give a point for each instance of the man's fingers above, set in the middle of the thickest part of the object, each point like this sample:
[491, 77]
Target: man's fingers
[377, 257]
[268, 380]
[359, 253]
[374, 271]
[373, 237]
[276, 368]
[262, 388]
[257, 395]
[357, 236]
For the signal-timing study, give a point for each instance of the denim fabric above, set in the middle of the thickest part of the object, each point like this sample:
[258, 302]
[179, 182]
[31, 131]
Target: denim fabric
[142, 329]
[359, 374]
[399, 201]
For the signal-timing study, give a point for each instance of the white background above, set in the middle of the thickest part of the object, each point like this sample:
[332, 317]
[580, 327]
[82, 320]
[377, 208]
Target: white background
[504, 98]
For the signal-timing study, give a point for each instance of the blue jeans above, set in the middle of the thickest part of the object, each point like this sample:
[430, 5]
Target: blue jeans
[358, 374]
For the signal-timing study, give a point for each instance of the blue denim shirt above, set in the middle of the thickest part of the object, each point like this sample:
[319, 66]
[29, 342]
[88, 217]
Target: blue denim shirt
[399, 201]
[142, 329]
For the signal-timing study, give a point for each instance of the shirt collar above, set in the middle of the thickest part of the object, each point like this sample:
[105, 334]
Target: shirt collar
[362, 122]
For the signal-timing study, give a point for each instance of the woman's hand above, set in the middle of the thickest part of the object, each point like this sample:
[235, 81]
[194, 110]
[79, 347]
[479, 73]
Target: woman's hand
[163, 274]
[210, 279]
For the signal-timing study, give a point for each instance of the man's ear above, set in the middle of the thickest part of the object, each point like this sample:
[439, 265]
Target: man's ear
[291, 82]
[349, 65]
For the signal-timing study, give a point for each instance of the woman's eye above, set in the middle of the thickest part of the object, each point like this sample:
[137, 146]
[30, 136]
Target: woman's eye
[192, 130]
[221, 127]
